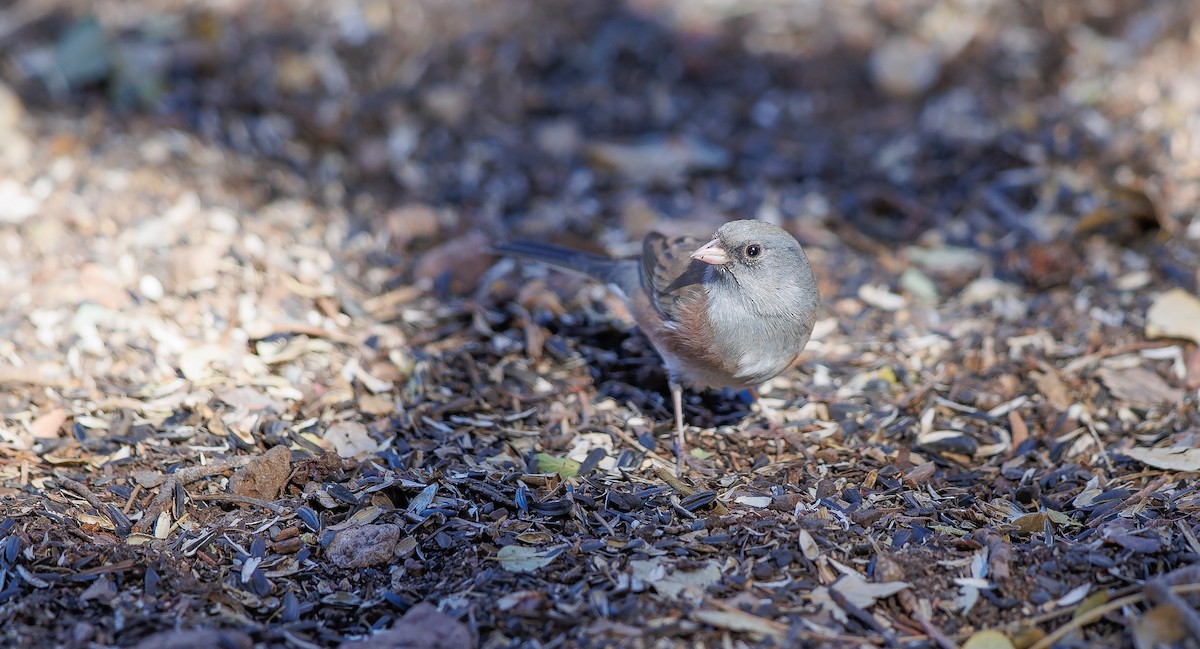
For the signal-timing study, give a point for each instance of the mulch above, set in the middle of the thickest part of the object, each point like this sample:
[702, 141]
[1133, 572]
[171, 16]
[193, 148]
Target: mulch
[261, 383]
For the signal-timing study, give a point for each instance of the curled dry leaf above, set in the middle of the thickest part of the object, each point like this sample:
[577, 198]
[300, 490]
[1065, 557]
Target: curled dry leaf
[1054, 390]
[857, 591]
[1171, 458]
[48, 425]
[988, 639]
[758, 502]
[737, 620]
[1139, 386]
[521, 558]
[350, 439]
[673, 583]
[1161, 626]
[1174, 314]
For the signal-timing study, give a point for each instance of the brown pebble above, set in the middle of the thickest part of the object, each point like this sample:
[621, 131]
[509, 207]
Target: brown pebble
[287, 533]
[365, 545]
[264, 476]
[290, 545]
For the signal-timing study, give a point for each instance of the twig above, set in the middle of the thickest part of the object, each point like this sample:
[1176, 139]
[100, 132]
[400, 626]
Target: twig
[137, 491]
[183, 477]
[1099, 612]
[241, 500]
[1158, 590]
[683, 489]
[931, 630]
[863, 617]
[1136, 498]
[1091, 427]
[673, 482]
[1061, 611]
[81, 489]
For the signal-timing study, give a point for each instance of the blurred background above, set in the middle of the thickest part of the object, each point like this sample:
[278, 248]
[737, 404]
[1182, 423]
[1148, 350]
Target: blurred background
[1007, 127]
[232, 224]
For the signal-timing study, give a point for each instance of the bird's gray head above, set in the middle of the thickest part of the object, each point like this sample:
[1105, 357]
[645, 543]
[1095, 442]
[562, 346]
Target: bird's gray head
[764, 262]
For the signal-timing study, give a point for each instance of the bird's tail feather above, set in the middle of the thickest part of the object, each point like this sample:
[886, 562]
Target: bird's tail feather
[597, 266]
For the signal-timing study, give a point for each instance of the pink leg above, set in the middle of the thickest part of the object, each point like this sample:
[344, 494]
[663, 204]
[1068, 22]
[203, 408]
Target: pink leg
[680, 441]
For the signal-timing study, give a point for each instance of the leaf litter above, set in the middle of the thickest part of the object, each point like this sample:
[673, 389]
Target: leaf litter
[257, 372]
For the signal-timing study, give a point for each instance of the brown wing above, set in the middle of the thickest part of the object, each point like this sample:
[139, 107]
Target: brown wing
[668, 270]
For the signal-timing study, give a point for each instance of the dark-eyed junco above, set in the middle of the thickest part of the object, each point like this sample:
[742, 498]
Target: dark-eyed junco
[733, 312]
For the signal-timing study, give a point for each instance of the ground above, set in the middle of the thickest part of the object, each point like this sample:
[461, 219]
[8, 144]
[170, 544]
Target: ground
[262, 382]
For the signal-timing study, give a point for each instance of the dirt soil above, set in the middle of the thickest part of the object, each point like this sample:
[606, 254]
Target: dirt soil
[262, 383]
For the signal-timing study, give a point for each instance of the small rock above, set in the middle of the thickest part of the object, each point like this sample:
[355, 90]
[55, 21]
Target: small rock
[986, 289]
[658, 160]
[196, 639]
[150, 288]
[903, 66]
[422, 627]
[102, 589]
[881, 298]
[447, 103]
[918, 284]
[264, 476]
[946, 259]
[363, 546]
[16, 202]
[296, 73]
[559, 138]
[82, 632]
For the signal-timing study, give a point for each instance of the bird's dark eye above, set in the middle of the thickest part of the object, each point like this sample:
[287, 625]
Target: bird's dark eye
[753, 250]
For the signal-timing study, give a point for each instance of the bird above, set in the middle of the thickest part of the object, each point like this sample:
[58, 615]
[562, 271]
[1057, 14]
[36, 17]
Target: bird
[732, 312]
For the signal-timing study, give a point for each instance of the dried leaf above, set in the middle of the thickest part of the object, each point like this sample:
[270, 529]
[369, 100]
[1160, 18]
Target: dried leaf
[988, 639]
[1174, 314]
[350, 439]
[564, 467]
[1139, 385]
[858, 591]
[1053, 389]
[673, 583]
[1161, 626]
[808, 546]
[162, 526]
[736, 620]
[48, 425]
[1020, 431]
[1171, 458]
[520, 558]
